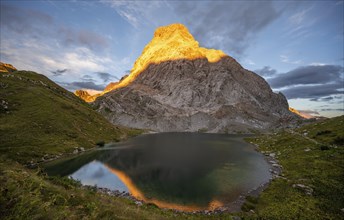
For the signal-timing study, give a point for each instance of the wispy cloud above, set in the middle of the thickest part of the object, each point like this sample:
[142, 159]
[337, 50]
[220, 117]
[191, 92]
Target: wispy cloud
[40, 25]
[300, 24]
[59, 72]
[106, 76]
[297, 18]
[228, 25]
[249, 62]
[266, 72]
[81, 85]
[285, 59]
[139, 13]
[82, 37]
[317, 64]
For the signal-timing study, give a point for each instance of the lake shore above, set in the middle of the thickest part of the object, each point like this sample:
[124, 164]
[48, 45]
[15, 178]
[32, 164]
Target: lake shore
[231, 207]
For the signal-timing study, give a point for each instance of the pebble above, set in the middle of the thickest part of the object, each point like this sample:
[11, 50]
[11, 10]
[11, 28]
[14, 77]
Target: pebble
[272, 154]
[138, 203]
[308, 190]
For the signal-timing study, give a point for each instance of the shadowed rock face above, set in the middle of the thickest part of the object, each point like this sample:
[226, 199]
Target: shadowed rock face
[193, 95]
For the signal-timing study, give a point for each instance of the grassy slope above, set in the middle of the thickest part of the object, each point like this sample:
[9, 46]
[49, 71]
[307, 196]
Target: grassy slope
[43, 118]
[303, 161]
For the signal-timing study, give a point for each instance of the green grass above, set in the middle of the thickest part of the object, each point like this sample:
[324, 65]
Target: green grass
[27, 194]
[304, 162]
[41, 118]
[30, 194]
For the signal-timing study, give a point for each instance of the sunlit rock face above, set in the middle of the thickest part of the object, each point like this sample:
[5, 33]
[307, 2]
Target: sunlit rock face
[7, 68]
[297, 112]
[302, 114]
[84, 95]
[175, 85]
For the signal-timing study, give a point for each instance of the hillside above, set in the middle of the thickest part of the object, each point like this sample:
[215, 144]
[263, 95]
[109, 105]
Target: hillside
[40, 119]
[311, 185]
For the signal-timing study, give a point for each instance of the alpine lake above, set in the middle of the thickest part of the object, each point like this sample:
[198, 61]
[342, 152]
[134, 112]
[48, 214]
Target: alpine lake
[183, 171]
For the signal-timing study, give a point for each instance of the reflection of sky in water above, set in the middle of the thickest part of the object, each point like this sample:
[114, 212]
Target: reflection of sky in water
[95, 173]
[177, 170]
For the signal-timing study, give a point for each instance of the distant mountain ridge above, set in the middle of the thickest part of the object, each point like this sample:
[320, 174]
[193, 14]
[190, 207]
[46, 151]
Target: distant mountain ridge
[175, 85]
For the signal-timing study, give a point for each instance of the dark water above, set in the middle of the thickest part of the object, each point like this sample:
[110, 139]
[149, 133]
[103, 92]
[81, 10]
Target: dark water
[186, 171]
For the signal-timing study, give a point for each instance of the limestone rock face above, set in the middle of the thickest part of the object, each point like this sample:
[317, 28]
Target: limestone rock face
[176, 85]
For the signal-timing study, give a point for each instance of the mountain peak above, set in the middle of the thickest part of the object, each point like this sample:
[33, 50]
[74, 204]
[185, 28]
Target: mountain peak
[170, 31]
[170, 43]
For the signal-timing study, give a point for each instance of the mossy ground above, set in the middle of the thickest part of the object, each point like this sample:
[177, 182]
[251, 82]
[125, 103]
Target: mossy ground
[305, 162]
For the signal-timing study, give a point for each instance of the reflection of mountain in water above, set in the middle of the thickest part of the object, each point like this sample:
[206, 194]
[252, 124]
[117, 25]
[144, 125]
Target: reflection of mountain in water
[175, 168]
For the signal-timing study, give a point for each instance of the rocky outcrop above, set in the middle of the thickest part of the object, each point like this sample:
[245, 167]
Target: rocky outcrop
[7, 68]
[176, 85]
[84, 95]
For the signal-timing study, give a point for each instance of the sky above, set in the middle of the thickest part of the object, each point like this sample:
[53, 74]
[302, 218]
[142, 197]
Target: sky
[297, 46]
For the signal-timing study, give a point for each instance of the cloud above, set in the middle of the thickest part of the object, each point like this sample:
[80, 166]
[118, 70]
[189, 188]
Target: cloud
[285, 59]
[332, 109]
[81, 85]
[106, 76]
[313, 91]
[59, 72]
[99, 173]
[88, 78]
[227, 25]
[266, 71]
[329, 98]
[313, 82]
[39, 25]
[23, 20]
[309, 112]
[82, 37]
[317, 64]
[299, 17]
[300, 23]
[305, 75]
[139, 13]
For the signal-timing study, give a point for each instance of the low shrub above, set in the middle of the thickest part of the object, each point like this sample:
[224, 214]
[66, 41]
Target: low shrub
[100, 143]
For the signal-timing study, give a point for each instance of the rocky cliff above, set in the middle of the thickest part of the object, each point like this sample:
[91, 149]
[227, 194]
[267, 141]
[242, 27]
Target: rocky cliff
[175, 85]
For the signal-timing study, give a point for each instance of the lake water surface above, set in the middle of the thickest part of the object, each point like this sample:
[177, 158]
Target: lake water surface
[185, 171]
